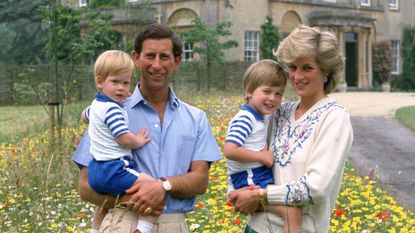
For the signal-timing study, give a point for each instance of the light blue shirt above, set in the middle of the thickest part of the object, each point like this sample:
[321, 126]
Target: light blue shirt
[185, 137]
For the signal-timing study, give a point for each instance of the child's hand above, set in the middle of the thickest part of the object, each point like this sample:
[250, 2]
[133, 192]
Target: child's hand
[142, 136]
[267, 157]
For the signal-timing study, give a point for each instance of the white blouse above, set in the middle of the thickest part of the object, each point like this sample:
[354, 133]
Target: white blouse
[310, 155]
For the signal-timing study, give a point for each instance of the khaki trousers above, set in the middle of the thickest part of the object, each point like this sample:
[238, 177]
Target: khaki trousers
[120, 220]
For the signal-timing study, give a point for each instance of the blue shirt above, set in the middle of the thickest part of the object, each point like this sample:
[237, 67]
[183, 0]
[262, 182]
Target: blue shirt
[185, 137]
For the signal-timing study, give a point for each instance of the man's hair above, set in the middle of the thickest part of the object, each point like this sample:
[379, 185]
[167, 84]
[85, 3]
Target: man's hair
[264, 72]
[307, 41]
[157, 32]
[113, 62]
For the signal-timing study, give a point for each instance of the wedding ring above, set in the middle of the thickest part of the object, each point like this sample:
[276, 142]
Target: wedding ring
[148, 210]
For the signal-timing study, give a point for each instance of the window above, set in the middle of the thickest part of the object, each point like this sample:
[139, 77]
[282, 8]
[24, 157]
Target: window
[187, 49]
[83, 3]
[395, 57]
[365, 2]
[251, 46]
[393, 4]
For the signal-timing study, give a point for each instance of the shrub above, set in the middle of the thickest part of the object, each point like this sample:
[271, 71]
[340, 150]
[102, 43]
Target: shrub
[382, 61]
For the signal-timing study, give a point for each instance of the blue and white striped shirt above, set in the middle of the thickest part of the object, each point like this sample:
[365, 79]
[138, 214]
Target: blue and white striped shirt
[107, 121]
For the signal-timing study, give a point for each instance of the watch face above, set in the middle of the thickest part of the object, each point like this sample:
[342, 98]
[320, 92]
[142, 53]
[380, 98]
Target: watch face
[166, 186]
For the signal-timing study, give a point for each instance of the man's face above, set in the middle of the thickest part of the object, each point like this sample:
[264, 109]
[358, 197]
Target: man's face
[157, 63]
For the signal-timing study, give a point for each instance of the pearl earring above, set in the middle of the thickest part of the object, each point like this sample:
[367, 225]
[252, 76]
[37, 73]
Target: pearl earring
[325, 79]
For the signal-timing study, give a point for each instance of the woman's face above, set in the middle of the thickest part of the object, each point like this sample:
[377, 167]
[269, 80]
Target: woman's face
[307, 78]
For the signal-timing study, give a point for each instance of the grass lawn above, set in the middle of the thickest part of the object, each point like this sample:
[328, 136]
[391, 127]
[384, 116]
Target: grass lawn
[406, 115]
[38, 185]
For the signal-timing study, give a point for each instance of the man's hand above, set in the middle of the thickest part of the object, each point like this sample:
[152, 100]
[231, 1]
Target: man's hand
[145, 194]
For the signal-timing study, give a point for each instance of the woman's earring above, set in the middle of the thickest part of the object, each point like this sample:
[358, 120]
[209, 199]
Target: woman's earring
[325, 79]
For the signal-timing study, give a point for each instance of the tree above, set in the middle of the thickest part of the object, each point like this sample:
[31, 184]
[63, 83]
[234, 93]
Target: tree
[24, 20]
[407, 79]
[207, 43]
[270, 39]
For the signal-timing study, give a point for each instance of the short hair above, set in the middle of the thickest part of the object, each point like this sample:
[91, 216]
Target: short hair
[264, 72]
[307, 41]
[113, 62]
[158, 32]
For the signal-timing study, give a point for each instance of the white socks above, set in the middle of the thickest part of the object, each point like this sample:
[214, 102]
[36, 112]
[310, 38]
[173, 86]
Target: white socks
[144, 226]
[94, 231]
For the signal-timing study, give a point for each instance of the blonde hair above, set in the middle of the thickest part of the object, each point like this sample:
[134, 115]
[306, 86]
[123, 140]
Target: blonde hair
[264, 72]
[307, 41]
[113, 62]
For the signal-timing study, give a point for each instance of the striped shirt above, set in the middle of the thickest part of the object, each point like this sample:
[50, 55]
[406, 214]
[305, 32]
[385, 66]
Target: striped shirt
[246, 129]
[107, 121]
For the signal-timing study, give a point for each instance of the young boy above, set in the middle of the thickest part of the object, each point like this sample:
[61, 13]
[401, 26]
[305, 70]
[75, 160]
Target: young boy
[248, 159]
[112, 171]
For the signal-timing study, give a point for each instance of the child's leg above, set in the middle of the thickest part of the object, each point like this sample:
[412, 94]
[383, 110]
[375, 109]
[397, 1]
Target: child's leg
[292, 216]
[99, 216]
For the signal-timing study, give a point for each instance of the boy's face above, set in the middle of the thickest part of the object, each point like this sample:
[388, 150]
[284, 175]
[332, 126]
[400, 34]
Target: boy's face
[116, 87]
[265, 99]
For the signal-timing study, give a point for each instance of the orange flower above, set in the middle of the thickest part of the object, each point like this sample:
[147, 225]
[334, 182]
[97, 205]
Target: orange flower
[340, 212]
[237, 221]
[81, 215]
[228, 203]
[199, 205]
[384, 215]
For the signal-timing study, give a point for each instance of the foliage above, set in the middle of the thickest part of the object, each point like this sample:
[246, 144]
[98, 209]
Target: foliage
[38, 187]
[270, 39]
[104, 3]
[23, 39]
[406, 81]
[382, 61]
[207, 42]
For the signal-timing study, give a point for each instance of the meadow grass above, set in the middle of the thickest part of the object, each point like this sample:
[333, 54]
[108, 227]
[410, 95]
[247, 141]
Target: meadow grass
[406, 115]
[38, 186]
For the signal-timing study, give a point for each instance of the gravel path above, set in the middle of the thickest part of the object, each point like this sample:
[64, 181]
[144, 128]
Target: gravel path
[381, 142]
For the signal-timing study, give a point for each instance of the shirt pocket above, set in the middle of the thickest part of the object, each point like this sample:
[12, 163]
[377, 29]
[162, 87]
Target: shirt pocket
[185, 149]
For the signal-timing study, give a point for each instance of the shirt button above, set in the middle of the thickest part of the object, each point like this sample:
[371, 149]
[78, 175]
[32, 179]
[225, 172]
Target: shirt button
[156, 125]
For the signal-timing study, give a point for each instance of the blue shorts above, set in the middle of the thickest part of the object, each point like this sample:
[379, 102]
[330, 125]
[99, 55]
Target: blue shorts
[113, 176]
[261, 176]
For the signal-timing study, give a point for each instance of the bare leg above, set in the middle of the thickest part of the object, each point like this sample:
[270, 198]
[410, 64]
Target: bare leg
[99, 215]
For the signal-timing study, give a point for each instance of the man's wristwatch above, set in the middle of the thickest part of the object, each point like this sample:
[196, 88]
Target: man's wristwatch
[166, 184]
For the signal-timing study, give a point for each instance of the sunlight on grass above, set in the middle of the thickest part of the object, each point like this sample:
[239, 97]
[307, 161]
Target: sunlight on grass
[406, 115]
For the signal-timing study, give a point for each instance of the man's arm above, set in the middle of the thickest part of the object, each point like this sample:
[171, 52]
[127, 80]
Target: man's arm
[151, 194]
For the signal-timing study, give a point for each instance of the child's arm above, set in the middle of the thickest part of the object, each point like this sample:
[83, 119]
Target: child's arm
[243, 155]
[85, 115]
[131, 140]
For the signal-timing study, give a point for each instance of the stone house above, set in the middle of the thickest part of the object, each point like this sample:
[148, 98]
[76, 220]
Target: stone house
[357, 23]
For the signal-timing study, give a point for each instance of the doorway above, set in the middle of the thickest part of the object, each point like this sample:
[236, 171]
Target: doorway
[351, 58]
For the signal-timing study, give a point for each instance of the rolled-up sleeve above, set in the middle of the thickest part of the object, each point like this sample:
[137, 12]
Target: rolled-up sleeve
[82, 155]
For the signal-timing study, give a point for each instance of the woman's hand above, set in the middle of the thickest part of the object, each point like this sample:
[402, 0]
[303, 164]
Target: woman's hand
[245, 200]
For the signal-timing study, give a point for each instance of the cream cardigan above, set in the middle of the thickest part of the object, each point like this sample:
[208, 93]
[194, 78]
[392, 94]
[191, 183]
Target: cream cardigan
[310, 155]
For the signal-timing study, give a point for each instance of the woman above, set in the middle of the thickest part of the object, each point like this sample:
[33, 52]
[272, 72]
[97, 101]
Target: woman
[310, 138]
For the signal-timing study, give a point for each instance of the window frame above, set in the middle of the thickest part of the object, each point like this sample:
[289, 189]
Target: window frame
[251, 45]
[394, 5]
[365, 2]
[83, 3]
[395, 44]
[185, 50]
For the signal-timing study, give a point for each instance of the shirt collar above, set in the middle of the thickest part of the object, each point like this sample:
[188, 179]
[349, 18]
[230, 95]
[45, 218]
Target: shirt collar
[137, 98]
[103, 98]
[257, 116]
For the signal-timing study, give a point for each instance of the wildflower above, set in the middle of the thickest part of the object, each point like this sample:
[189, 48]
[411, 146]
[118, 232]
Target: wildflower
[340, 212]
[383, 216]
[199, 205]
[237, 221]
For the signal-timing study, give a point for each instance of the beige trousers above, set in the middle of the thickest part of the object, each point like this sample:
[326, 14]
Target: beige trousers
[120, 220]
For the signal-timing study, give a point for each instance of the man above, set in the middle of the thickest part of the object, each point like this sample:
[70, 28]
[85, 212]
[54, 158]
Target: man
[181, 149]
